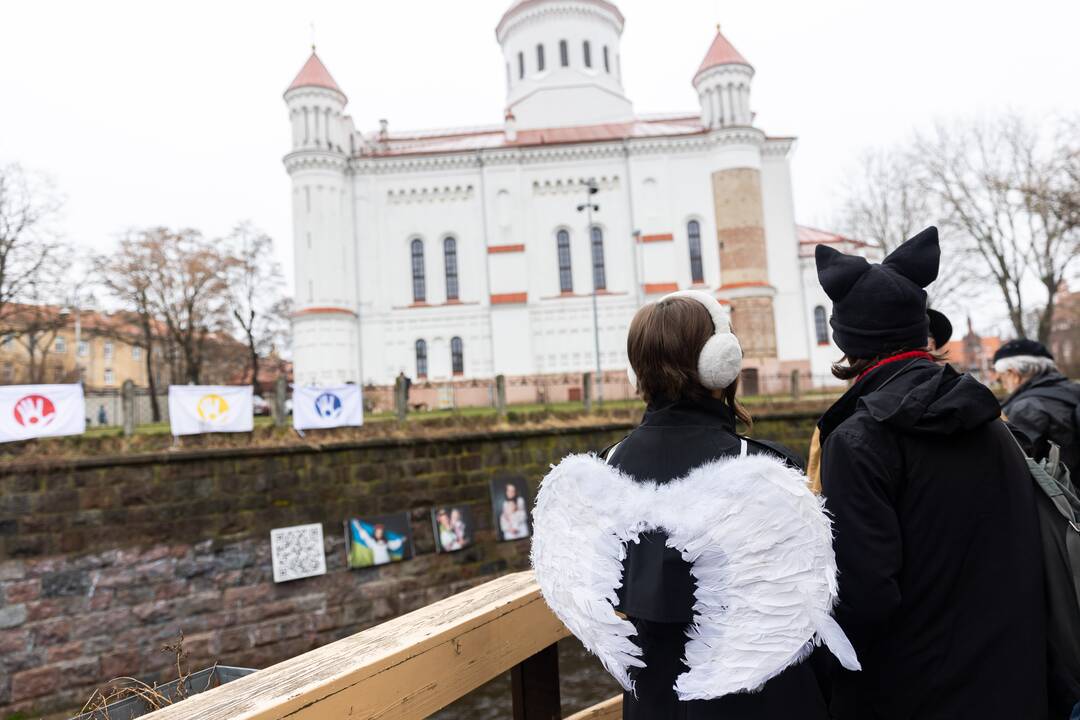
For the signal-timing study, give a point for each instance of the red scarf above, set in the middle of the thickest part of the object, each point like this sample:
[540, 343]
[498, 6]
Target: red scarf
[911, 355]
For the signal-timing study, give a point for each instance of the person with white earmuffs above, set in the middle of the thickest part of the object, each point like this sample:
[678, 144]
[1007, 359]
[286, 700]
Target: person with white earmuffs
[692, 560]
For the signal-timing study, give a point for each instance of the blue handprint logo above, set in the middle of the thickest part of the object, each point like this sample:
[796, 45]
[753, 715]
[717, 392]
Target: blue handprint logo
[328, 406]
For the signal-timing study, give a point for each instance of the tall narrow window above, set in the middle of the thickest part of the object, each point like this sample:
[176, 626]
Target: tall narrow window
[521, 65]
[539, 58]
[597, 243]
[566, 278]
[564, 54]
[693, 234]
[607, 61]
[821, 326]
[421, 359]
[450, 260]
[588, 54]
[457, 356]
[419, 292]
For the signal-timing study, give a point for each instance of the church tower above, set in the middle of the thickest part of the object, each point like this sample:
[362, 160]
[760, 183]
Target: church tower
[723, 85]
[325, 330]
[563, 66]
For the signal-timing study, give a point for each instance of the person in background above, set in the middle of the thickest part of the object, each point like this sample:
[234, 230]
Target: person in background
[940, 329]
[937, 537]
[1042, 403]
[102, 417]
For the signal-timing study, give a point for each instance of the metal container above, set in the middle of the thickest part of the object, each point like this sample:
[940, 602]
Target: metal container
[133, 707]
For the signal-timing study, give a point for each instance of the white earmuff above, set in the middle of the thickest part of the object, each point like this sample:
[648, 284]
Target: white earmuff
[721, 358]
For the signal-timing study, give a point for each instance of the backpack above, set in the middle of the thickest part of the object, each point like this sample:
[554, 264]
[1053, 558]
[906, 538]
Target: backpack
[1059, 527]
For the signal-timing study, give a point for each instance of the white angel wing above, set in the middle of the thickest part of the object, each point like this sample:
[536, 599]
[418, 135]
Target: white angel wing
[760, 548]
[581, 524]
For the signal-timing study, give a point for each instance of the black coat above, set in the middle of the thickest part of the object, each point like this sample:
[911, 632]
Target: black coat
[1042, 409]
[938, 548]
[657, 591]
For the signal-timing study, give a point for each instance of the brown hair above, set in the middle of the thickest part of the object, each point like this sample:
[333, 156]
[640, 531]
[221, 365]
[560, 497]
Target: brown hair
[851, 368]
[663, 346]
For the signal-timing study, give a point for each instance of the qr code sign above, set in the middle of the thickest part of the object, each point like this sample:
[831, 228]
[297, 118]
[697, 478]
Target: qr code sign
[298, 552]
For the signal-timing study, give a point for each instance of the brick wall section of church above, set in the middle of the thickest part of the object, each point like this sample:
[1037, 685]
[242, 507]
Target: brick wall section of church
[103, 561]
[754, 323]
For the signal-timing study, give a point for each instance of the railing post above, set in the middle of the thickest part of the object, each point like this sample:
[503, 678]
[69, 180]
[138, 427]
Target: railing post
[586, 391]
[500, 395]
[401, 399]
[280, 389]
[794, 384]
[535, 686]
[127, 403]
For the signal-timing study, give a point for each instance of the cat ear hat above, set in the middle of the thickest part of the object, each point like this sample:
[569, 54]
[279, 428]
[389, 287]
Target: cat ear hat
[721, 358]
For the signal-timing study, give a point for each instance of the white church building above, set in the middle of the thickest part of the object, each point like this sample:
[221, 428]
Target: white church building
[463, 253]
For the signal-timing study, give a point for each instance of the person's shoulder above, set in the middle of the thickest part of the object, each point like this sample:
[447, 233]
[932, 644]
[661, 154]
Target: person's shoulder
[776, 450]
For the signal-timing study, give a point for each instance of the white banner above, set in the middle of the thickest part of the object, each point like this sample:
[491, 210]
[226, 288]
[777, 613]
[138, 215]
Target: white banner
[195, 409]
[29, 411]
[327, 407]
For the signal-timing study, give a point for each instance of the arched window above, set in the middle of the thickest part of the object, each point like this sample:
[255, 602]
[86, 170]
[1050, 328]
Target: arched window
[419, 293]
[588, 53]
[421, 359]
[521, 65]
[450, 261]
[564, 54]
[607, 61]
[566, 278]
[539, 58]
[693, 233]
[457, 356]
[597, 242]
[821, 326]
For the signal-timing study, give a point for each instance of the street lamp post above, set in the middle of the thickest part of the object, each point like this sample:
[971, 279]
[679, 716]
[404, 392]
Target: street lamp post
[589, 206]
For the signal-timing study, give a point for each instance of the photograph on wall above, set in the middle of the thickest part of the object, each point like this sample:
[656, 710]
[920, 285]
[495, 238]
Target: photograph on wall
[510, 506]
[297, 552]
[453, 526]
[378, 540]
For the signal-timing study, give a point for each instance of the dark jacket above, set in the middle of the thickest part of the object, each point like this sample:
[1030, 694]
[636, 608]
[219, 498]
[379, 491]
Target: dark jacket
[657, 591]
[938, 548]
[1042, 408]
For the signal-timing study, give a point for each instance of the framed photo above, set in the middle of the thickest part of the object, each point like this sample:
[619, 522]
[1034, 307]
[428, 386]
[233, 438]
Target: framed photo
[297, 552]
[378, 540]
[510, 508]
[453, 527]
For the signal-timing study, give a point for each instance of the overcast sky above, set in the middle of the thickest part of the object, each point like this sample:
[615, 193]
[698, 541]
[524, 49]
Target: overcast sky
[170, 113]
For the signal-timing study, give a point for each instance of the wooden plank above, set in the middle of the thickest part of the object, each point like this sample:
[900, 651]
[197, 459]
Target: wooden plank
[610, 709]
[403, 669]
[535, 686]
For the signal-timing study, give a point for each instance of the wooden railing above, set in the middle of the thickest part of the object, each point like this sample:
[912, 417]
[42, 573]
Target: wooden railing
[412, 666]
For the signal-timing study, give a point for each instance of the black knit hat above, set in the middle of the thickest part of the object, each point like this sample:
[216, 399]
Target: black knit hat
[879, 309]
[940, 327]
[1022, 346]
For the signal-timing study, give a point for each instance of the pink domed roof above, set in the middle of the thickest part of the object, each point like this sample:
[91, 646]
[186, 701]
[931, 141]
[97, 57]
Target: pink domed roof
[314, 74]
[721, 52]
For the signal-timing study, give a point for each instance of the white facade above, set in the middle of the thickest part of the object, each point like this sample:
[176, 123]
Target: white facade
[505, 199]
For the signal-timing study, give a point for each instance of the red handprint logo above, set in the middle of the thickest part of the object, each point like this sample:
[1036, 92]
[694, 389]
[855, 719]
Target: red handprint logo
[34, 411]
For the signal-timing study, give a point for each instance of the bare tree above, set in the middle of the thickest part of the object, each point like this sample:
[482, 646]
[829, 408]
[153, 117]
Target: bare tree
[982, 174]
[28, 206]
[188, 290]
[256, 289]
[37, 320]
[126, 274]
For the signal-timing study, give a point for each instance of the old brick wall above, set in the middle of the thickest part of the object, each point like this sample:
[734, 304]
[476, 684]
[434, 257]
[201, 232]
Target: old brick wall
[103, 561]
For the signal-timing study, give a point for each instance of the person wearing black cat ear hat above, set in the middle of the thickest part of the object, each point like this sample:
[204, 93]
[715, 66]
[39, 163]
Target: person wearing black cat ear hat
[936, 535]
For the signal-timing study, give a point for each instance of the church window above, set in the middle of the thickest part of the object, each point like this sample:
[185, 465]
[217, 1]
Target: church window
[821, 326]
[564, 54]
[607, 61]
[418, 287]
[588, 54]
[693, 233]
[521, 65]
[539, 58]
[597, 243]
[450, 260]
[566, 278]
[307, 199]
[421, 359]
[457, 356]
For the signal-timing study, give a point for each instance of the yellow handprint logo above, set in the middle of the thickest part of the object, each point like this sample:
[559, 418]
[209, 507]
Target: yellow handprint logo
[212, 408]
